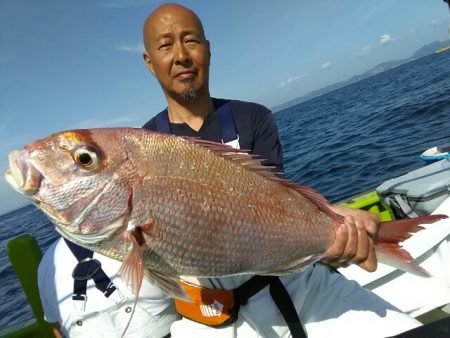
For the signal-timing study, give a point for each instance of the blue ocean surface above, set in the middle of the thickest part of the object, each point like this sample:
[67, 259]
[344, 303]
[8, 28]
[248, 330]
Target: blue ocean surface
[341, 143]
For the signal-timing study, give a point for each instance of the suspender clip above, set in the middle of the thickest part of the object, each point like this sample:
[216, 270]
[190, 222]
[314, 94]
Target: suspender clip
[86, 268]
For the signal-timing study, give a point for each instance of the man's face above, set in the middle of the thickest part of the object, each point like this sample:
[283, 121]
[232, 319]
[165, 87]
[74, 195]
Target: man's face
[178, 54]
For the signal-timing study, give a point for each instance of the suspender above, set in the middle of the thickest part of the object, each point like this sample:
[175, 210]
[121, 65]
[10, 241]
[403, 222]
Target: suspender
[280, 297]
[162, 122]
[86, 269]
[226, 122]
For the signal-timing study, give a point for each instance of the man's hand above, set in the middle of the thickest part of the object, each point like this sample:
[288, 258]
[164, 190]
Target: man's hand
[353, 243]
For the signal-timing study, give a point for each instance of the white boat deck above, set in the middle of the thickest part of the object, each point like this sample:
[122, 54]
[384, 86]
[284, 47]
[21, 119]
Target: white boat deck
[414, 294]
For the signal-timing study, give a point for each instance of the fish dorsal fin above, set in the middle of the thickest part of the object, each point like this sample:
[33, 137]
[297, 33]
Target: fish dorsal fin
[240, 156]
[314, 196]
[253, 163]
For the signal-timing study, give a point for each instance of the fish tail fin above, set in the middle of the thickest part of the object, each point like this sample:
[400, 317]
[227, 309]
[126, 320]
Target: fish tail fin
[391, 233]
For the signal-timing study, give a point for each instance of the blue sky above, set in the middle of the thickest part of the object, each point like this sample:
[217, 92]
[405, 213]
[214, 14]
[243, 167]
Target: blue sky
[77, 64]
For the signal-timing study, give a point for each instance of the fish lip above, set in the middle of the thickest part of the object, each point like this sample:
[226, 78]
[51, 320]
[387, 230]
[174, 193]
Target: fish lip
[22, 175]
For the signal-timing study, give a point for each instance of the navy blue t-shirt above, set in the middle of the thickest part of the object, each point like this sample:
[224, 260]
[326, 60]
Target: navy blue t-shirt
[254, 123]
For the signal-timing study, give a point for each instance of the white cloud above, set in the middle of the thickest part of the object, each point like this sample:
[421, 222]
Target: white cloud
[138, 49]
[366, 50]
[290, 80]
[412, 30]
[326, 65]
[438, 22]
[386, 39]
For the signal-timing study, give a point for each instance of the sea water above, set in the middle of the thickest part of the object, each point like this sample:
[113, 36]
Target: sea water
[342, 143]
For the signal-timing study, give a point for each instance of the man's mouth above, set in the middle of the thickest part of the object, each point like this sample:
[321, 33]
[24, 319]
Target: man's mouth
[185, 75]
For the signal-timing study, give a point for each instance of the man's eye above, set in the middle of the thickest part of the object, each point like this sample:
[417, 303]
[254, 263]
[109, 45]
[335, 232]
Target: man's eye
[165, 46]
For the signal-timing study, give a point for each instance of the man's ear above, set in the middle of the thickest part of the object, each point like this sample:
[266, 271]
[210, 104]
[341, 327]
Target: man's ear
[209, 50]
[148, 62]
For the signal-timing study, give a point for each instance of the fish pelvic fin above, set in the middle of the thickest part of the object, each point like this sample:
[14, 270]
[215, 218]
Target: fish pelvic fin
[170, 285]
[390, 234]
[133, 268]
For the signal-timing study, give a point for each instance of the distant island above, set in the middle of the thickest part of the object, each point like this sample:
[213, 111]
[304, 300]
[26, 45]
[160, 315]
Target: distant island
[382, 67]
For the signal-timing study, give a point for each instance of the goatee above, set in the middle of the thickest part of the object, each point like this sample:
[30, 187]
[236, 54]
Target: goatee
[189, 94]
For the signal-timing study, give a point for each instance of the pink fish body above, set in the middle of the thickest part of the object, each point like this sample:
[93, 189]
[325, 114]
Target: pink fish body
[171, 206]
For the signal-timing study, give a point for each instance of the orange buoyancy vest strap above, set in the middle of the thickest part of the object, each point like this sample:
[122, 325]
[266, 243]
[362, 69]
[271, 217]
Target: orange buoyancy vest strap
[218, 308]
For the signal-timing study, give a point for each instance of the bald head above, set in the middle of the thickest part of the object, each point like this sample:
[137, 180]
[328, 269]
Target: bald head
[164, 15]
[178, 54]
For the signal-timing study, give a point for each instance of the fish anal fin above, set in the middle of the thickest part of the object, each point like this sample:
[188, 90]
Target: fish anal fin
[297, 266]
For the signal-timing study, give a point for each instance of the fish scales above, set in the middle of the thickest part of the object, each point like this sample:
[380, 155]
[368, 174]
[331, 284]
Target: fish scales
[214, 211]
[181, 207]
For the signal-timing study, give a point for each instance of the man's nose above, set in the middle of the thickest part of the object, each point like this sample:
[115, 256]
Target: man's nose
[181, 54]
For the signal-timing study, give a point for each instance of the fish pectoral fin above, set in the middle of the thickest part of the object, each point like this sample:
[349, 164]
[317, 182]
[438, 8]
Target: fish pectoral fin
[297, 266]
[168, 284]
[132, 268]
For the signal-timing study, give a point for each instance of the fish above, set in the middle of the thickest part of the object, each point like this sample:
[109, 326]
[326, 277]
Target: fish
[169, 206]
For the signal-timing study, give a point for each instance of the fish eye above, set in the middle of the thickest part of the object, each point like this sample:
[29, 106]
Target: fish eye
[86, 158]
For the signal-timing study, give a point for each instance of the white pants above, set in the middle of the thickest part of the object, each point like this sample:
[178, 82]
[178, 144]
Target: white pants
[328, 305]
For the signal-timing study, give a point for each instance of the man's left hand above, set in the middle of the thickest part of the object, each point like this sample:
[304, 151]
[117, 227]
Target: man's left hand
[353, 243]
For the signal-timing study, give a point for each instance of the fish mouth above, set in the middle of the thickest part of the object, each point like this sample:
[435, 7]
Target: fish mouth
[22, 176]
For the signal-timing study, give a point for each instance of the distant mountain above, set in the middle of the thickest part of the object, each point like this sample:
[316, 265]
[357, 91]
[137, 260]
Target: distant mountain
[382, 67]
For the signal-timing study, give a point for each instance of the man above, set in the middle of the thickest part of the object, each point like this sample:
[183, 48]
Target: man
[88, 310]
[178, 55]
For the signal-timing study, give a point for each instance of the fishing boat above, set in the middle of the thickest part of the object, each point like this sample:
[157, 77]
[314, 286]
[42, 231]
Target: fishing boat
[420, 192]
[443, 49]
[436, 153]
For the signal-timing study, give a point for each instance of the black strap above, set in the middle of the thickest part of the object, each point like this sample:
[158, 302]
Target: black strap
[227, 127]
[86, 269]
[162, 122]
[280, 297]
[226, 122]
[284, 303]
